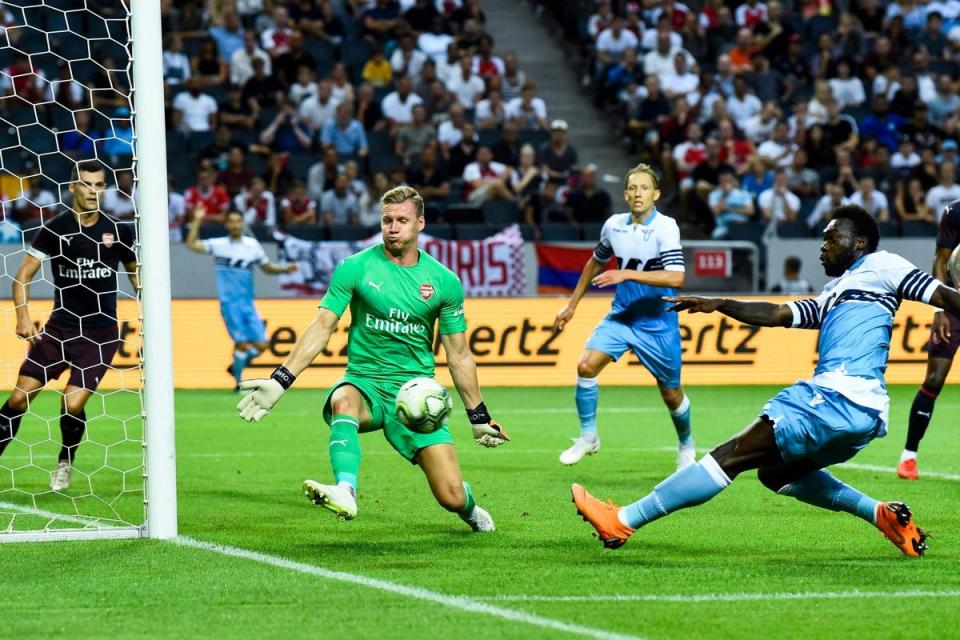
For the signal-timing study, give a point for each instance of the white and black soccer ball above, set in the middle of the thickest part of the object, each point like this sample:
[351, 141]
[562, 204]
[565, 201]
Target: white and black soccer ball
[423, 404]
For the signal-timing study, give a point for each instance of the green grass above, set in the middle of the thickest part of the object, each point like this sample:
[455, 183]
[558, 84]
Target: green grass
[239, 485]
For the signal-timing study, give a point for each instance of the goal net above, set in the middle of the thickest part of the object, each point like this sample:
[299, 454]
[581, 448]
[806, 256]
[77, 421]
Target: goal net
[67, 77]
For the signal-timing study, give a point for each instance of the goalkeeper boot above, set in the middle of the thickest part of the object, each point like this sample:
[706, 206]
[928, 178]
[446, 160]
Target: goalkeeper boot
[896, 522]
[603, 516]
[60, 477]
[686, 455]
[479, 520]
[581, 447]
[335, 497]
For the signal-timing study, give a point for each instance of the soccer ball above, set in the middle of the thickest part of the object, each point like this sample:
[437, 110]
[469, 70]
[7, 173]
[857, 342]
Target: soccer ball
[423, 404]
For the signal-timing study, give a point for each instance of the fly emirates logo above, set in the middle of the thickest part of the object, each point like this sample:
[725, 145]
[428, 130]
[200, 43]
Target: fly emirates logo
[398, 321]
[85, 269]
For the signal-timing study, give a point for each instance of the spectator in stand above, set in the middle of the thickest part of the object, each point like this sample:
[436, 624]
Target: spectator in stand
[526, 179]
[730, 205]
[840, 129]
[318, 110]
[212, 197]
[450, 131]
[257, 204]
[766, 81]
[758, 178]
[557, 157]
[932, 38]
[682, 83]
[792, 284]
[944, 107]
[924, 134]
[909, 203]
[340, 87]
[288, 133]
[528, 111]
[241, 62]
[229, 36]
[278, 176]
[261, 91]
[512, 80]
[176, 212]
[741, 56]
[208, 67]
[507, 149]
[464, 152]
[485, 64]
[118, 202]
[803, 181]
[339, 205]
[407, 59]
[587, 202]
[377, 71]
[176, 65]
[751, 14]
[599, 20]
[236, 176]
[79, 141]
[485, 179]
[297, 207]
[465, 86]
[823, 211]
[412, 138]
[287, 66]
[234, 113]
[645, 115]
[705, 177]
[370, 201]
[661, 62]
[491, 112]
[820, 153]
[759, 127]
[35, 206]
[882, 125]
[944, 193]
[846, 88]
[779, 204]
[449, 65]
[743, 104]
[794, 66]
[733, 150]
[430, 179]
[368, 109]
[322, 175]
[779, 149]
[875, 202]
[397, 106]
[276, 40]
[381, 21]
[193, 110]
[689, 153]
[906, 157]
[421, 17]
[610, 46]
[345, 133]
[305, 87]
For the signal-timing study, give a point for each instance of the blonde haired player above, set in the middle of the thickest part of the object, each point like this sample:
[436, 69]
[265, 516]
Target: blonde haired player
[396, 294]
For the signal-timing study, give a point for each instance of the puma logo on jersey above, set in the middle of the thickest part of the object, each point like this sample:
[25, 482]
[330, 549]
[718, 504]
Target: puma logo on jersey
[333, 442]
[66, 240]
[375, 285]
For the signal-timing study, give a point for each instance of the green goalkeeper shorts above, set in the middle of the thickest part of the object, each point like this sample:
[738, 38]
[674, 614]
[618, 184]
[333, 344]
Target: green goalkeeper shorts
[381, 398]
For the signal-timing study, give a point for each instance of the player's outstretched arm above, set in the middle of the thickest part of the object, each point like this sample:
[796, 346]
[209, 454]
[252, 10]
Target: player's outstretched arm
[21, 296]
[274, 269]
[946, 298]
[193, 234]
[565, 315]
[264, 393]
[761, 314]
[463, 370]
[672, 279]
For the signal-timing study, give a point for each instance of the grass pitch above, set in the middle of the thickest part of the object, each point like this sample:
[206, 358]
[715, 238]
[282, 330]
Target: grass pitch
[747, 564]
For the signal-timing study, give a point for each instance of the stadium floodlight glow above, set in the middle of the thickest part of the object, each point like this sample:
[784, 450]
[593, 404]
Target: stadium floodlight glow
[124, 475]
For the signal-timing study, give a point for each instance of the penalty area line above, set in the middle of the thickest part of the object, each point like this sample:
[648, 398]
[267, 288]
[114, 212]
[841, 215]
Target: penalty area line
[726, 597]
[463, 603]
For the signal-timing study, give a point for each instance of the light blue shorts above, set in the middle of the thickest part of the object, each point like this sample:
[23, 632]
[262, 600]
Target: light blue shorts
[243, 323]
[820, 424]
[658, 351]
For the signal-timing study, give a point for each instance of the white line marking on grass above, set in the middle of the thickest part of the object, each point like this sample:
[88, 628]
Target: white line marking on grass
[727, 597]
[32, 511]
[463, 603]
[500, 410]
[924, 474]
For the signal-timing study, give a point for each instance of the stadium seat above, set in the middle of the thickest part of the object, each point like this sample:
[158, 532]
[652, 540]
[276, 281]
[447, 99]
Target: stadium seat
[212, 230]
[750, 232]
[324, 54]
[300, 163]
[385, 162]
[489, 137]
[534, 137]
[818, 25]
[528, 232]
[440, 230]
[473, 231]
[793, 230]
[261, 232]
[463, 213]
[558, 232]
[38, 139]
[888, 230]
[500, 212]
[591, 231]
[307, 231]
[349, 232]
[354, 54]
[918, 229]
[379, 142]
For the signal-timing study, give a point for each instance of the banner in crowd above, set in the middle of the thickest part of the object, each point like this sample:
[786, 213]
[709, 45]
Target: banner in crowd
[560, 265]
[513, 344]
[489, 267]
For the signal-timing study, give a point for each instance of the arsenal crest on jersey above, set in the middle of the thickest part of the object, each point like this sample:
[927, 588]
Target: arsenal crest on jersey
[426, 291]
[107, 240]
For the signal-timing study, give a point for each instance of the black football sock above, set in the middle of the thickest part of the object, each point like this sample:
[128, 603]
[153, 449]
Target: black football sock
[71, 430]
[920, 413]
[9, 424]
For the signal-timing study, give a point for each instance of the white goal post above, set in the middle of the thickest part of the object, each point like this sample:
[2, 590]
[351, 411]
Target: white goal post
[150, 436]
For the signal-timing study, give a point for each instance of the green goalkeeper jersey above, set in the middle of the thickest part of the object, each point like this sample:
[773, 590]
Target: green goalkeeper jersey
[394, 310]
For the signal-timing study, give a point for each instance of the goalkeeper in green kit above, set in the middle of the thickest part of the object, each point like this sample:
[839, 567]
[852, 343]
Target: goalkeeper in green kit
[396, 293]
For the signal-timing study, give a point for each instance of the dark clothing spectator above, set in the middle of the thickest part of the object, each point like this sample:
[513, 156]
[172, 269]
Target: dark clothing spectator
[286, 66]
[507, 152]
[588, 206]
[263, 89]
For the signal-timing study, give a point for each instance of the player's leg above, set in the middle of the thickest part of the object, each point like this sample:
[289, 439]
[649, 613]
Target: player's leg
[661, 354]
[921, 412]
[678, 404]
[16, 405]
[442, 469]
[234, 321]
[255, 338]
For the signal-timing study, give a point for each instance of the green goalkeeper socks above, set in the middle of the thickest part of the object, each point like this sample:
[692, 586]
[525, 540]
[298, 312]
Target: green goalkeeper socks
[469, 503]
[344, 448]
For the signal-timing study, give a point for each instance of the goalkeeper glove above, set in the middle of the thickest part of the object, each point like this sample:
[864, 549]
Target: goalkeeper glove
[263, 394]
[486, 432]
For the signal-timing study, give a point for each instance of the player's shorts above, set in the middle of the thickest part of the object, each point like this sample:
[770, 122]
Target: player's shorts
[820, 424]
[658, 351]
[949, 348]
[381, 396]
[87, 352]
[243, 322]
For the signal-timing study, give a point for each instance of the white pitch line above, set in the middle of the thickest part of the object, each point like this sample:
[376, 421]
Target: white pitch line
[726, 597]
[32, 511]
[500, 411]
[464, 603]
[924, 474]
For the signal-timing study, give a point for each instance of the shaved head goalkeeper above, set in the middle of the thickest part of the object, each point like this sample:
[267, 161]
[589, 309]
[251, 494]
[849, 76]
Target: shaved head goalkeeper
[397, 293]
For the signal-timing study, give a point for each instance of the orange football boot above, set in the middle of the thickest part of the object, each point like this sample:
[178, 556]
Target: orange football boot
[907, 470]
[896, 522]
[603, 516]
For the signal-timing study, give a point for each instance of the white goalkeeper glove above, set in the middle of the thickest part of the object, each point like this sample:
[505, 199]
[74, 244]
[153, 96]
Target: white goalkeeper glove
[486, 432]
[263, 394]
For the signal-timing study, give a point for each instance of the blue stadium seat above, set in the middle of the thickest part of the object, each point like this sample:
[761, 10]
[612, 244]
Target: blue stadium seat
[918, 229]
[559, 232]
[500, 212]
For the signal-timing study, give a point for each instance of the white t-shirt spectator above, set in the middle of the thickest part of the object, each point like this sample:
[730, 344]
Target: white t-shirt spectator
[300, 92]
[398, 110]
[466, 91]
[484, 113]
[241, 65]
[649, 40]
[195, 112]
[877, 202]
[900, 161]
[176, 212]
[412, 67]
[663, 66]
[614, 46]
[449, 134]
[31, 205]
[940, 196]
[117, 205]
[780, 154]
[276, 40]
[824, 206]
[748, 16]
[434, 45]
[768, 199]
[743, 109]
[264, 210]
[683, 85]
[514, 109]
[848, 92]
[474, 171]
[176, 68]
[341, 208]
[316, 114]
[756, 130]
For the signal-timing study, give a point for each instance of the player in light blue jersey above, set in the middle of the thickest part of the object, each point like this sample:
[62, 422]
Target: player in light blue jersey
[236, 255]
[646, 244]
[815, 423]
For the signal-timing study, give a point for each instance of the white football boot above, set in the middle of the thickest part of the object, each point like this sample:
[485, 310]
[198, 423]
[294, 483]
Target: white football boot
[334, 497]
[60, 477]
[686, 455]
[479, 520]
[581, 447]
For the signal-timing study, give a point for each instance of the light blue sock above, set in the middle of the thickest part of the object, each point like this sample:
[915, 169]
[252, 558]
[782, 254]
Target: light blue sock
[240, 360]
[821, 489]
[681, 421]
[587, 396]
[686, 488]
[252, 353]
